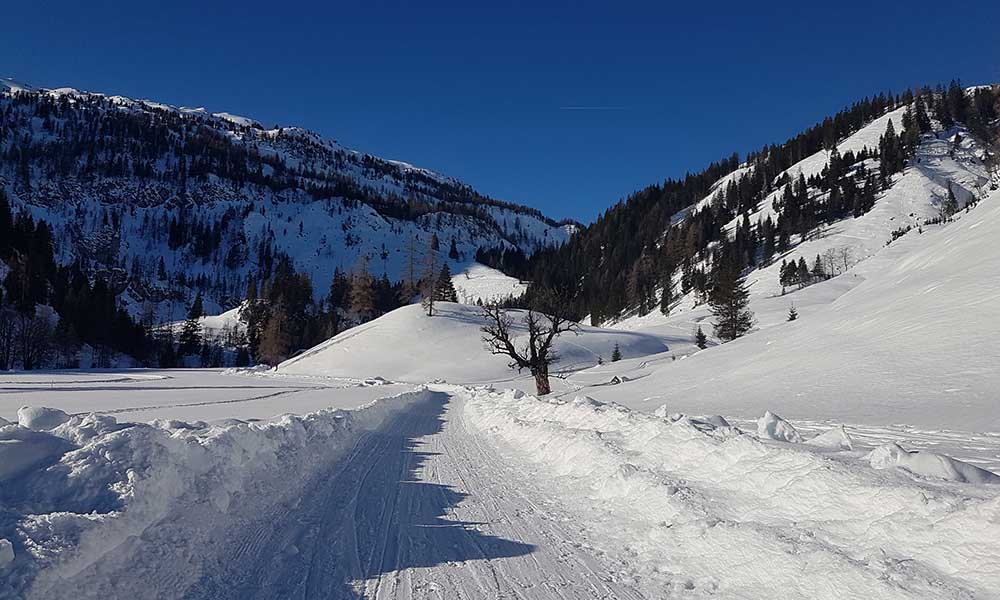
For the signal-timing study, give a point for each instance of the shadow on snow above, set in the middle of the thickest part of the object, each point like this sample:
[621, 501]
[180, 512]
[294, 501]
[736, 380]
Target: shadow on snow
[370, 517]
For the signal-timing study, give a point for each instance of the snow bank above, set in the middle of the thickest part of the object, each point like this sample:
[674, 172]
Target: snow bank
[82, 492]
[773, 427]
[40, 418]
[745, 518]
[929, 464]
[22, 450]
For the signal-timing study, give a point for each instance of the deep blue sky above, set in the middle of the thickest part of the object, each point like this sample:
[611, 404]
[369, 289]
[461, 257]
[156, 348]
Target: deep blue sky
[477, 90]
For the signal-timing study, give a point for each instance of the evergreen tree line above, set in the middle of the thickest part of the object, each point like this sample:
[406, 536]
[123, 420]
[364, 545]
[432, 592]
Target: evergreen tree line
[282, 319]
[655, 239]
[86, 311]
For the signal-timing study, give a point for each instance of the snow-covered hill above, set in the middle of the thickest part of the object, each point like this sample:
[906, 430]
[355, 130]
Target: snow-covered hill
[899, 338]
[408, 346]
[168, 199]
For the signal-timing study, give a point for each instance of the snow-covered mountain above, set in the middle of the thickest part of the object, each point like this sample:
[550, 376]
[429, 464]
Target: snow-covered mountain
[169, 199]
[837, 194]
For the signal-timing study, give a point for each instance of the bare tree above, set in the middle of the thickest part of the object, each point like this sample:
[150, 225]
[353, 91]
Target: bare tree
[34, 337]
[430, 278]
[535, 354]
[8, 339]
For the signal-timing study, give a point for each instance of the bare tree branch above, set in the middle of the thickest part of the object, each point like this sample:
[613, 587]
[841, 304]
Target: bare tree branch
[536, 354]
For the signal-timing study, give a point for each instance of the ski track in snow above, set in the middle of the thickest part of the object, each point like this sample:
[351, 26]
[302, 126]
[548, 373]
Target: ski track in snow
[469, 494]
[420, 508]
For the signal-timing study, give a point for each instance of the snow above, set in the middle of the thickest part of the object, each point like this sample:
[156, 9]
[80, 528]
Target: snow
[929, 464]
[734, 516]
[353, 470]
[773, 427]
[451, 344]
[479, 282]
[896, 339]
[122, 482]
[187, 395]
[236, 119]
[836, 438]
[39, 418]
[22, 450]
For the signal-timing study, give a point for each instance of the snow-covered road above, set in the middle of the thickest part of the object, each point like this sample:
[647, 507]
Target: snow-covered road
[421, 509]
[454, 492]
[420, 505]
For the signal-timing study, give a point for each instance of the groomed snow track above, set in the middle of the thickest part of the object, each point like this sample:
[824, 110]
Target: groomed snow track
[451, 492]
[416, 505]
[418, 509]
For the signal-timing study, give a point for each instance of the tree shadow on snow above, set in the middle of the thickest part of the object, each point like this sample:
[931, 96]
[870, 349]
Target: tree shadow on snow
[373, 516]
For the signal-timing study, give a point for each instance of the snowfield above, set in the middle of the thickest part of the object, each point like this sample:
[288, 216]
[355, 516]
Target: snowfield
[479, 282]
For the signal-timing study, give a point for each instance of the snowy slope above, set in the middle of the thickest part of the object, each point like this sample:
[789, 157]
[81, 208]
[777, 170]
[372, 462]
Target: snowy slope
[408, 346]
[324, 205]
[479, 282]
[905, 343]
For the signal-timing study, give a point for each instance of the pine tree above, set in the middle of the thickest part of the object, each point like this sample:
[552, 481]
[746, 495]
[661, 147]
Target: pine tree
[363, 291]
[430, 278]
[729, 301]
[802, 272]
[818, 272]
[197, 309]
[444, 290]
[667, 293]
[950, 206]
[700, 339]
[792, 313]
[190, 338]
[616, 354]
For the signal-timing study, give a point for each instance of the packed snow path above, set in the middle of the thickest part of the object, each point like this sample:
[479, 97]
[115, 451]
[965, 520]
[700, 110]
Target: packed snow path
[419, 509]
[454, 492]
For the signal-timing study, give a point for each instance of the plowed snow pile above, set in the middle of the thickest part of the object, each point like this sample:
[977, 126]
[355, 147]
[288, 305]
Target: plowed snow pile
[78, 495]
[719, 511]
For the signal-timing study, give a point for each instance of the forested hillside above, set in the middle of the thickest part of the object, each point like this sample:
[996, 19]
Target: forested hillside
[673, 239]
[167, 213]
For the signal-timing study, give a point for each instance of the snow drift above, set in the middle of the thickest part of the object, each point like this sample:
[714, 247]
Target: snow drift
[929, 464]
[735, 516]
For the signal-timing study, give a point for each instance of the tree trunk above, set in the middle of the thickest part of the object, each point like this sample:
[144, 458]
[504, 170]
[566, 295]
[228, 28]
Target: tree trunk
[542, 381]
